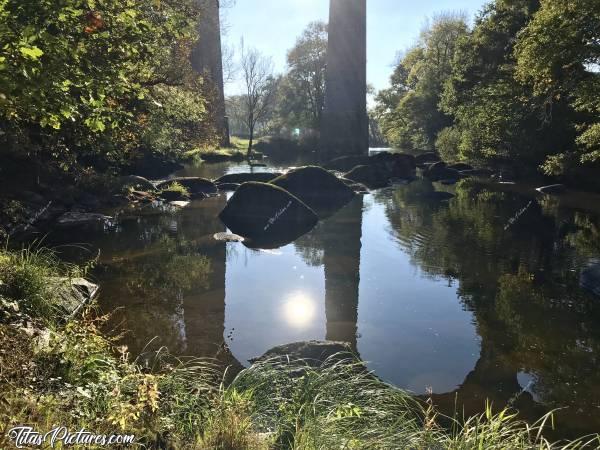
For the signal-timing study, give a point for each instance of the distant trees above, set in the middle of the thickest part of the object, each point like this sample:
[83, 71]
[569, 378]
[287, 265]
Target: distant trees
[521, 88]
[281, 104]
[302, 91]
[411, 116]
[261, 87]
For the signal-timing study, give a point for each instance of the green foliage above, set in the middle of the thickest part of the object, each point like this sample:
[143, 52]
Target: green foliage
[302, 89]
[177, 188]
[411, 117]
[558, 55]
[520, 89]
[91, 82]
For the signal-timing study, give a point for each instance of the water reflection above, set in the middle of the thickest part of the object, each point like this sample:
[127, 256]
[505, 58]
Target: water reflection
[477, 297]
[299, 310]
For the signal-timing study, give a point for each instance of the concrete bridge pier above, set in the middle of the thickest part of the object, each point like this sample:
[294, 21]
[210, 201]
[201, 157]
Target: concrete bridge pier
[207, 60]
[345, 125]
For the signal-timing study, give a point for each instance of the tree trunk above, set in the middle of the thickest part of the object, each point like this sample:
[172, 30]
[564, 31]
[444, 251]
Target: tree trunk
[250, 143]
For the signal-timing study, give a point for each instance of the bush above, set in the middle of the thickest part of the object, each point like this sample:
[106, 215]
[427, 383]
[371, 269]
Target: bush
[448, 144]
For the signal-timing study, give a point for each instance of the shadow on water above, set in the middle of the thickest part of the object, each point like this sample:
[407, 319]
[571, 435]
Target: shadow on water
[477, 297]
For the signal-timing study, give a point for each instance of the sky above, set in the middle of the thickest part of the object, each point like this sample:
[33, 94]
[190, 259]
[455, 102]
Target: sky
[272, 26]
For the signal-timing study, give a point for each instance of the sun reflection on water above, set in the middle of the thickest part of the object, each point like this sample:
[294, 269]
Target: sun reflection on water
[299, 310]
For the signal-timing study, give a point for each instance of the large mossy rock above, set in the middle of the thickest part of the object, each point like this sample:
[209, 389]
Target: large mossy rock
[267, 214]
[194, 185]
[316, 187]
[261, 177]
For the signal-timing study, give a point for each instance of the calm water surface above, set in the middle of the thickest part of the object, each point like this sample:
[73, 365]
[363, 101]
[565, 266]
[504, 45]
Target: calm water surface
[476, 298]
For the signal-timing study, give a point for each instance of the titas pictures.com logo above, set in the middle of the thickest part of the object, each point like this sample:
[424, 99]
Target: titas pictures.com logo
[27, 437]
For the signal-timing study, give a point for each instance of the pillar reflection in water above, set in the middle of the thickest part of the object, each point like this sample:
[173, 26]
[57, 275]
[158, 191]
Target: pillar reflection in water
[341, 260]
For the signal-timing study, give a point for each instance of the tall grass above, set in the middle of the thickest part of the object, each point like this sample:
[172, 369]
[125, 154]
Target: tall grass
[25, 279]
[341, 405]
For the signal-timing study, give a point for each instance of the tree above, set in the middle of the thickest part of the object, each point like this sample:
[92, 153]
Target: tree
[558, 52]
[493, 120]
[261, 87]
[410, 114]
[78, 78]
[304, 83]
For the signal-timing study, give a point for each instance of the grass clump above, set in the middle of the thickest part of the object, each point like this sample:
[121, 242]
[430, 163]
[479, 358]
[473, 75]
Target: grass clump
[26, 281]
[175, 191]
[341, 405]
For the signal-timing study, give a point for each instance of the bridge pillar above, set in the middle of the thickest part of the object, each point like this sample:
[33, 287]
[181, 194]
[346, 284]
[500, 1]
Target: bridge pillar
[345, 125]
[207, 60]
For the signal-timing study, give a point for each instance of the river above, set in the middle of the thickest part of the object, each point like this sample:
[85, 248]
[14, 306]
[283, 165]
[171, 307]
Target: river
[473, 298]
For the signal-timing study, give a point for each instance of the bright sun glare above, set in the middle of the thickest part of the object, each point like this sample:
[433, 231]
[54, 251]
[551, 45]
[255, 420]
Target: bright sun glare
[299, 310]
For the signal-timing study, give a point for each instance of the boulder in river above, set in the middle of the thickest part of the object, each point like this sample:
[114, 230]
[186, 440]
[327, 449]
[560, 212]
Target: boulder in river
[228, 187]
[136, 182]
[372, 176]
[316, 187]
[424, 158]
[175, 195]
[439, 171]
[75, 219]
[552, 189]
[460, 166]
[194, 185]
[312, 353]
[261, 177]
[266, 213]
[477, 172]
[590, 277]
[346, 163]
[228, 237]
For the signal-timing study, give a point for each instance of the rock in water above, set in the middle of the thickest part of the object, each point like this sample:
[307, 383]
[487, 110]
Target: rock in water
[74, 219]
[228, 187]
[316, 187]
[590, 277]
[194, 185]
[553, 189]
[228, 237]
[424, 158]
[266, 213]
[460, 167]
[313, 353]
[372, 176]
[439, 171]
[398, 165]
[346, 163]
[136, 182]
[261, 177]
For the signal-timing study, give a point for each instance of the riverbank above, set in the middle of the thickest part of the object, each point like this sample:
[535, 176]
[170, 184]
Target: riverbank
[72, 374]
